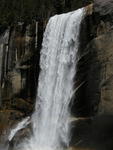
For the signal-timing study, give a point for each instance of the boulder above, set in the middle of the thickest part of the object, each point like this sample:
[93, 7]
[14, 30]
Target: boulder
[95, 133]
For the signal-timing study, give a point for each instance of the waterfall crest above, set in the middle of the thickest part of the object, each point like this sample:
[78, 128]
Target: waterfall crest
[58, 67]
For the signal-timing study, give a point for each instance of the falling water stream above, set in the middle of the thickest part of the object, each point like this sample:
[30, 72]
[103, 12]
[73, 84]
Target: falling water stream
[50, 121]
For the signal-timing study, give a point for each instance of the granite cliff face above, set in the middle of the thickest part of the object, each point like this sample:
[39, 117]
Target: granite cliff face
[95, 63]
[94, 97]
[19, 48]
[93, 104]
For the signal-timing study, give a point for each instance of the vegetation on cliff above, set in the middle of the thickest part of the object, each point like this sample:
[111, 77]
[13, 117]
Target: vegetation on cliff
[12, 11]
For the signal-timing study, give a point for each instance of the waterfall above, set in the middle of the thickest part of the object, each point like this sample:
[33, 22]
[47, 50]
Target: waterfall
[50, 121]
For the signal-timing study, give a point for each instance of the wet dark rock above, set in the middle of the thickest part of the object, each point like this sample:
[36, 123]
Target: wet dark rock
[9, 117]
[94, 66]
[103, 7]
[95, 75]
[93, 134]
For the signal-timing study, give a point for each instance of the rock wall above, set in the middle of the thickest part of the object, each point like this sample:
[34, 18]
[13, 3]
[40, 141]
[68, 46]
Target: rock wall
[96, 50]
[93, 101]
[19, 69]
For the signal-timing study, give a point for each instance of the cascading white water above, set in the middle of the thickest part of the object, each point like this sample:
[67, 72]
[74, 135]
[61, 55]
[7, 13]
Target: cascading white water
[18, 127]
[58, 68]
